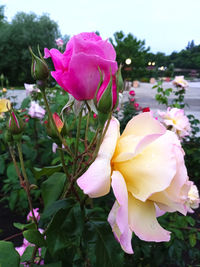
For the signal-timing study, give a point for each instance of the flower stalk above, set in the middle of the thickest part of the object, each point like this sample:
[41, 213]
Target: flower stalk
[27, 185]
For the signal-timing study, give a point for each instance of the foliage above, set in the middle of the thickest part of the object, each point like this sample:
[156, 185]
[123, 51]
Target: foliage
[130, 47]
[24, 30]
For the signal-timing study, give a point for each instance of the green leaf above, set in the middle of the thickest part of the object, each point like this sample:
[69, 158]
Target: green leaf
[39, 172]
[52, 188]
[192, 240]
[2, 164]
[65, 229]
[27, 254]
[190, 220]
[103, 244]
[56, 206]
[22, 226]
[25, 102]
[8, 255]
[11, 172]
[34, 237]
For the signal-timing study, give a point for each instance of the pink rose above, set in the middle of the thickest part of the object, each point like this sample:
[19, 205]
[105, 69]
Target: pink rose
[179, 81]
[131, 92]
[176, 120]
[59, 42]
[77, 70]
[193, 200]
[31, 88]
[145, 167]
[36, 111]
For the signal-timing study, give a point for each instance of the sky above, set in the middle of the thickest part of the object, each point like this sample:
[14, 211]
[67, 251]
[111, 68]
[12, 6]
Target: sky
[166, 26]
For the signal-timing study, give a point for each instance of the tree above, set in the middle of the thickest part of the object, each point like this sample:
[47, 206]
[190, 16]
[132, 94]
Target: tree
[130, 47]
[25, 30]
[2, 17]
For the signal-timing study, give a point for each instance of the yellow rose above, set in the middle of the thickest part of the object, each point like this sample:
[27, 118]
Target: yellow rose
[145, 166]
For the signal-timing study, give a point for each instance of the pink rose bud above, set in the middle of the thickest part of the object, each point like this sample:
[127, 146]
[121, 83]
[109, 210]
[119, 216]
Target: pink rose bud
[77, 69]
[132, 92]
[132, 99]
[107, 95]
[106, 98]
[94, 115]
[136, 105]
[15, 124]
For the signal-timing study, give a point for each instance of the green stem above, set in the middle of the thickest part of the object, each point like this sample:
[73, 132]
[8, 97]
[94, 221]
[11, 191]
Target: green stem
[87, 127]
[27, 185]
[33, 255]
[70, 186]
[63, 163]
[77, 142]
[16, 166]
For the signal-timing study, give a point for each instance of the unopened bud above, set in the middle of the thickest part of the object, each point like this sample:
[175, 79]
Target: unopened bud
[107, 95]
[33, 187]
[15, 124]
[39, 68]
[50, 127]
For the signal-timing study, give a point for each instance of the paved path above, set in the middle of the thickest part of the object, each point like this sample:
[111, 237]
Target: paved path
[145, 96]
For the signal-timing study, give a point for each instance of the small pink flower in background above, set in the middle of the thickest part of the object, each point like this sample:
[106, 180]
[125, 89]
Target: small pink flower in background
[131, 92]
[36, 111]
[94, 115]
[133, 164]
[175, 119]
[54, 147]
[36, 214]
[31, 88]
[193, 199]
[59, 42]
[136, 105]
[118, 109]
[26, 244]
[179, 81]
[132, 99]
[21, 249]
[77, 70]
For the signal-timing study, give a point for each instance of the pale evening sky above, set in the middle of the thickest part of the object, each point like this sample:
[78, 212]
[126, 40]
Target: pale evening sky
[166, 26]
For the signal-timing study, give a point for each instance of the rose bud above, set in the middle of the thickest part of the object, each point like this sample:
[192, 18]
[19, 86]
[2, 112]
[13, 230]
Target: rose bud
[15, 124]
[39, 68]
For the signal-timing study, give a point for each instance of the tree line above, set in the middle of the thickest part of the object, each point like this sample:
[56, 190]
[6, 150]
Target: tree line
[30, 30]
